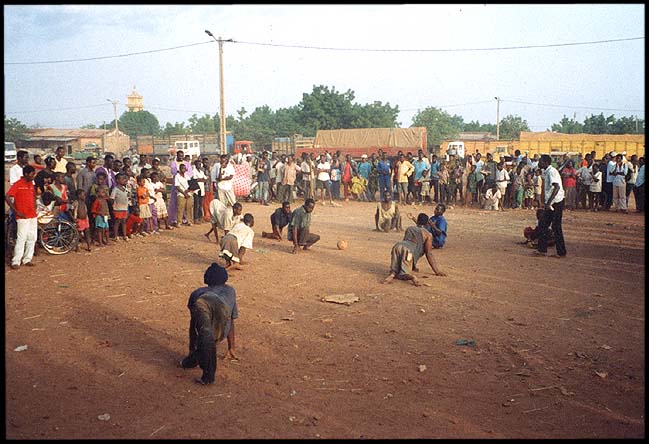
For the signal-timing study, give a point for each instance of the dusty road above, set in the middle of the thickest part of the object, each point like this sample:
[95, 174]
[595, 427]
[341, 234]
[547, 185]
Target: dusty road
[559, 342]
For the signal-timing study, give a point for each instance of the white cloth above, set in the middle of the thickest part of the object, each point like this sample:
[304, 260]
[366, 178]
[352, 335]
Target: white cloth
[596, 187]
[244, 234]
[200, 175]
[226, 185]
[151, 189]
[502, 176]
[611, 168]
[44, 213]
[323, 175]
[619, 179]
[15, 173]
[491, 199]
[27, 232]
[181, 183]
[586, 174]
[552, 176]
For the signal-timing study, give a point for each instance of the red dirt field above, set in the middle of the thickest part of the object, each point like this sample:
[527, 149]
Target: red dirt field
[559, 347]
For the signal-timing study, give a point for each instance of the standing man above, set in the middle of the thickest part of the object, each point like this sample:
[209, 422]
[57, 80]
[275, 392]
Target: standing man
[405, 171]
[307, 168]
[607, 188]
[553, 209]
[384, 169]
[225, 180]
[364, 170]
[638, 189]
[16, 171]
[263, 177]
[60, 161]
[619, 184]
[373, 179]
[632, 175]
[299, 227]
[288, 180]
[434, 177]
[421, 164]
[323, 179]
[21, 198]
[108, 169]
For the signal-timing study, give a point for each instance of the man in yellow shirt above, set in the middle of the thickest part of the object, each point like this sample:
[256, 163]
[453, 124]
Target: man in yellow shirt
[405, 170]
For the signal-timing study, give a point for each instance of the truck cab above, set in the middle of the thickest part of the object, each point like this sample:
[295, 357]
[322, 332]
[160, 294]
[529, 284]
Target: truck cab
[191, 147]
[455, 149]
[10, 152]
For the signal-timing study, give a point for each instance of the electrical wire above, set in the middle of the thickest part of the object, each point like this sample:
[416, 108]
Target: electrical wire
[571, 106]
[108, 57]
[504, 48]
[553, 45]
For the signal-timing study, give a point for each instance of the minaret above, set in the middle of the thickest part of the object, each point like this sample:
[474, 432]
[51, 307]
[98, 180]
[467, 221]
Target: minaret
[134, 101]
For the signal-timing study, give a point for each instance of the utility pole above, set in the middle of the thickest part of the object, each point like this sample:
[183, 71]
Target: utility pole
[497, 118]
[115, 102]
[222, 128]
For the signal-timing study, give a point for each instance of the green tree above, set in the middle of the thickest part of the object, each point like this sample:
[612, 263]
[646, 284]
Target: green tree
[89, 126]
[511, 127]
[375, 115]
[567, 126]
[136, 123]
[14, 130]
[598, 124]
[326, 108]
[287, 122]
[439, 124]
[476, 126]
[174, 129]
[202, 125]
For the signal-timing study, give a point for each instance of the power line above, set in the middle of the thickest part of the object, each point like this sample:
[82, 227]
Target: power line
[442, 50]
[56, 109]
[447, 106]
[107, 57]
[504, 48]
[571, 106]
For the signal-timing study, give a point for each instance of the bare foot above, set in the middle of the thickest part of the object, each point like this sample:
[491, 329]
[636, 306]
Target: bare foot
[388, 280]
[207, 235]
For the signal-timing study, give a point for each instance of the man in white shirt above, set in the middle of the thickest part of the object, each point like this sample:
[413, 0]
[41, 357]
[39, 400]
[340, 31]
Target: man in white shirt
[502, 179]
[224, 182]
[618, 175]
[16, 171]
[492, 197]
[185, 198]
[553, 209]
[235, 243]
[322, 179]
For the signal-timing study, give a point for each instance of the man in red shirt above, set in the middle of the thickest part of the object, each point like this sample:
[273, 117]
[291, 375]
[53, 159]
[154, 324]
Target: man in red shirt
[24, 206]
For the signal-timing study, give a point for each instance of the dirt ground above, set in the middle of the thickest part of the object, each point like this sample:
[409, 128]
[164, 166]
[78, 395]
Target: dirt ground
[559, 343]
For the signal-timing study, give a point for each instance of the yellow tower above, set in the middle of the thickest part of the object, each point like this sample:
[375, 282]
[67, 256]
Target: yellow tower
[134, 101]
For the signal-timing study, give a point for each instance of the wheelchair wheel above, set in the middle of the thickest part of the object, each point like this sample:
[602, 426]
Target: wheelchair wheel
[58, 237]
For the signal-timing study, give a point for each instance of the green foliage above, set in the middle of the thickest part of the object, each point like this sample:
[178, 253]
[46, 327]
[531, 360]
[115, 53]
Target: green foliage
[14, 129]
[136, 123]
[375, 115]
[568, 126]
[89, 126]
[511, 127]
[326, 109]
[439, 124]
[478, 127]
[201, 125]
[175, 129]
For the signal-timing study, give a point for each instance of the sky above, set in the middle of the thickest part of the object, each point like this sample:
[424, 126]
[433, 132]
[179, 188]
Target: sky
[574, 80]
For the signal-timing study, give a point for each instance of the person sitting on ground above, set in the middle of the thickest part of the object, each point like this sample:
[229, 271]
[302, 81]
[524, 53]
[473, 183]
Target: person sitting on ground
[532, 234]
[387, 215]
[278, 220]
[223, 216]
[417, 242]
[492, 197]
[437, 225]
[213, 310]
[300, 225]
[235, 243]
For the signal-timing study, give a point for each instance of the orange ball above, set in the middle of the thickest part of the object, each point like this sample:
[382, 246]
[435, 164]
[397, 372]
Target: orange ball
[342, 244]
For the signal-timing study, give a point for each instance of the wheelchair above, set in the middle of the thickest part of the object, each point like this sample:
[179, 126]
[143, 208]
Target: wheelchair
[58, 236]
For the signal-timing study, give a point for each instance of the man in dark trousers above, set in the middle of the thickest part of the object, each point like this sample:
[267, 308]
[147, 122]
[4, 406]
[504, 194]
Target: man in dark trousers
[553, 209]
[298, 228]
[213, 311]
[278, 220]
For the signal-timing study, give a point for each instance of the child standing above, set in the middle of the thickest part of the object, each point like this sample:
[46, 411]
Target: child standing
[80, 214]
[528, 192]
[161, 207]
[538, 184]
[595, 189]
[143, 204]
[99, 212]
[155, 228]
[425, 186]
[120, 196]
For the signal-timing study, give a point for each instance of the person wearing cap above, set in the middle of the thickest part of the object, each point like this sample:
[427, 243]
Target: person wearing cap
[364, 170]
[213, 310]
[607, 186]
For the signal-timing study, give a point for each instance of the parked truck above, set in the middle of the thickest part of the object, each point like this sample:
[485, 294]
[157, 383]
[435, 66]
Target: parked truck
[361, 141]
